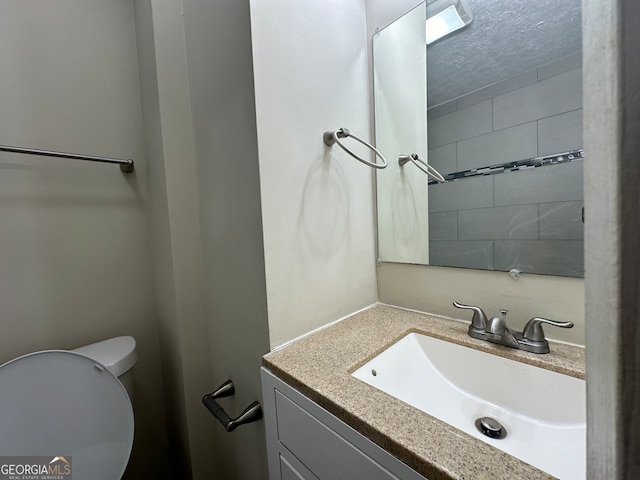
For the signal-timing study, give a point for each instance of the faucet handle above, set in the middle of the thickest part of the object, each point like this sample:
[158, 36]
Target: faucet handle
[479, 321]
[533, 329]
[498, 325]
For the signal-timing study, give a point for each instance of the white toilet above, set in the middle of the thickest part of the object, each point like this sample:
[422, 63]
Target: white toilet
[73, 405]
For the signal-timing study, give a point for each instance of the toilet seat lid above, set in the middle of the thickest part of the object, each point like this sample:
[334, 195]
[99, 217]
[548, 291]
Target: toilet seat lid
[62, 404]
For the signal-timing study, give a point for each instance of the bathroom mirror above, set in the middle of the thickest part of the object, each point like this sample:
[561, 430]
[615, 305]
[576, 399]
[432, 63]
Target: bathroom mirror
[496, 108]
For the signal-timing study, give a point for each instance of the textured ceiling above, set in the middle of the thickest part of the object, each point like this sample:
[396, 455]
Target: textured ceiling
[506, 38]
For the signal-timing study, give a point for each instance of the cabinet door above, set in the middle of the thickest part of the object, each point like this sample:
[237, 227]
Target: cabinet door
[305, 441]
[291, 469]
[324, 452]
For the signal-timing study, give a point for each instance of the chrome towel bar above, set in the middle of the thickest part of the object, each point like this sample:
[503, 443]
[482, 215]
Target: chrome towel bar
[126, 166]
[422, 165]
[332, 137]
[250, 414]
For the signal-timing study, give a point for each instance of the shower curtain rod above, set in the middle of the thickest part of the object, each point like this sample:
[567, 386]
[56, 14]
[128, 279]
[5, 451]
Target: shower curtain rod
[126, 166]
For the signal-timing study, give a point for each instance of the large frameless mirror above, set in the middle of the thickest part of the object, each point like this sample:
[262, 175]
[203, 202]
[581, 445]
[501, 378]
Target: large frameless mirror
[494, 104]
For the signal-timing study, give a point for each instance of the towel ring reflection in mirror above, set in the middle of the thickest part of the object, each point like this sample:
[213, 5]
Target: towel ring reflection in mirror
[422, 165]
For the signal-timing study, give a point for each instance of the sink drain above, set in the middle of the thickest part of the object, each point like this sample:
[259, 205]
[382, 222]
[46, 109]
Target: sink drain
[491, 427]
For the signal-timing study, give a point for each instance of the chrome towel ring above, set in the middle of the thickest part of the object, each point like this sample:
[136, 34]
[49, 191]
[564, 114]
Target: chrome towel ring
[330, 138]
[422, 165]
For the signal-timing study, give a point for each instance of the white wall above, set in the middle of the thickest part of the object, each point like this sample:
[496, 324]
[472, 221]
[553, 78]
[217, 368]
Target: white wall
[176, 245]
[219, 62]
[198, 88]
[433, 289]
[381, 13]
[75, 266]
[317, 203]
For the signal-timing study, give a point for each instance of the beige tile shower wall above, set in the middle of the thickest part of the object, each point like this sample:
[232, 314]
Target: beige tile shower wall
[75, 266]
[317, 203]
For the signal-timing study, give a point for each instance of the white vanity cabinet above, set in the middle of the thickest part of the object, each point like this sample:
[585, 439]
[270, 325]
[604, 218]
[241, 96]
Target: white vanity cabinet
[306, 442]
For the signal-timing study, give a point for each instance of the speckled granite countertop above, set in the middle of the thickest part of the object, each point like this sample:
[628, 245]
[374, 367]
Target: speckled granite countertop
[320, 367]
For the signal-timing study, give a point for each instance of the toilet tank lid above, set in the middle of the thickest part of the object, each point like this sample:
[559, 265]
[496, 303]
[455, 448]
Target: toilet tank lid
[118, 354]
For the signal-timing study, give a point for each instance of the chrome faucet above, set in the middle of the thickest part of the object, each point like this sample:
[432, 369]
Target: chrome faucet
[498, 332]
[531, 339]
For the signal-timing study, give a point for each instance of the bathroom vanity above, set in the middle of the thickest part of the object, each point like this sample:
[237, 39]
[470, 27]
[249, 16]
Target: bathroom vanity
[305, 442]
[322, 422]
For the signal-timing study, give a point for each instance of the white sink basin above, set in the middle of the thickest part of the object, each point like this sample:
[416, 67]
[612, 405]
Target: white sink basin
[543, 412]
